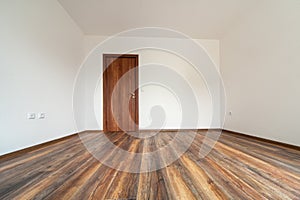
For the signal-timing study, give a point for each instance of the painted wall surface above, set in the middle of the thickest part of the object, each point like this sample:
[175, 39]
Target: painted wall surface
[153, 95]
[260, 65]
[41, 51]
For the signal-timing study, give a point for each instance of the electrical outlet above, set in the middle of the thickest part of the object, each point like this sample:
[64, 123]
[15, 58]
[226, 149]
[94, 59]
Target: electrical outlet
[230, 113]
[42, 115]
[30, 115]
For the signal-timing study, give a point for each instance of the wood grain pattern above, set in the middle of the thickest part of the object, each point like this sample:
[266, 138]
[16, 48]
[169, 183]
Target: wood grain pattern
[116, 68]
[238, 167]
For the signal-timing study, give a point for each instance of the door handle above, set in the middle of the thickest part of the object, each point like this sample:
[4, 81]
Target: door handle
[132, 95]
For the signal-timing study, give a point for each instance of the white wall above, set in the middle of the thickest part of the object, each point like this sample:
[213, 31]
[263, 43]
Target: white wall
[41, 50]
[260, 65]
[153, 95]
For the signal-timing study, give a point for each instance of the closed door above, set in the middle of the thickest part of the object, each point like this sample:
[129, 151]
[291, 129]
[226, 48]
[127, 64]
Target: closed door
[120, 93]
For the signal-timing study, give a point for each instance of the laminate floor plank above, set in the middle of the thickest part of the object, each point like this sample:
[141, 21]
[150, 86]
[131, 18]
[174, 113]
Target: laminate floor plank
[97, 165]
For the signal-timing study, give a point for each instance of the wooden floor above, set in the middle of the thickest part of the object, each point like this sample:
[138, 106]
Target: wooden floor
[236, 168]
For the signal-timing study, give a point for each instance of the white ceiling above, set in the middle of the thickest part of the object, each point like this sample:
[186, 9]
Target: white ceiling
[196, 18]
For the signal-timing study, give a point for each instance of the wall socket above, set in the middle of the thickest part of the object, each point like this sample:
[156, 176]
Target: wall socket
[30, 115]
[230, 113]
[38, 116]
[41, 115]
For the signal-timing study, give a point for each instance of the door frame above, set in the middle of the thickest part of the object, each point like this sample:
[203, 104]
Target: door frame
[136, 56]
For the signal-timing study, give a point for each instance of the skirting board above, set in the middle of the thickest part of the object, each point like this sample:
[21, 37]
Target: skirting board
[263, 139]
[35, 147]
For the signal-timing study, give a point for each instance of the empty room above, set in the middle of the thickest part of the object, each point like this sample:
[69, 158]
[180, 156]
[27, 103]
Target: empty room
[156, 100]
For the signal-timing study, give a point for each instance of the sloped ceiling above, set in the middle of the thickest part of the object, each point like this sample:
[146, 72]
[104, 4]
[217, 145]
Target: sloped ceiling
[196, 18]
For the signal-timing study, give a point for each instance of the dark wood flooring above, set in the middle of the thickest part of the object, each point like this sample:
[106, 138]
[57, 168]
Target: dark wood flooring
[238, 167]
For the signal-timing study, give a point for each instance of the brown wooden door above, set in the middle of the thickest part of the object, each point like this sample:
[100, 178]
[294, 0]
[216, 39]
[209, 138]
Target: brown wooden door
[122, 68]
